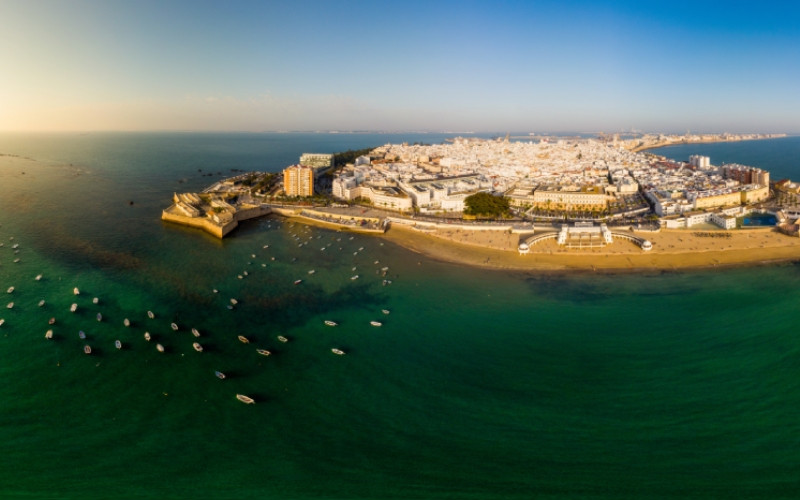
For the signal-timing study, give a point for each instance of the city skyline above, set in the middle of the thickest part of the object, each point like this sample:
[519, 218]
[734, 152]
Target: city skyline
[464, 66]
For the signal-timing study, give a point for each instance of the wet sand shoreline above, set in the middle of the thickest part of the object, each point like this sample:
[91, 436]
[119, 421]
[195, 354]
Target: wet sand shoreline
[673, 250]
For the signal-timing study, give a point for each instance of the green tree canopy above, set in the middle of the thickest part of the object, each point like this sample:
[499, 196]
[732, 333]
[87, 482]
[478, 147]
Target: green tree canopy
[485, 205]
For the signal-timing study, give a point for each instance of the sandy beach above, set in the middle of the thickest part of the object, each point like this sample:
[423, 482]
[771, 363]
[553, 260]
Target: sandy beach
[672, 249]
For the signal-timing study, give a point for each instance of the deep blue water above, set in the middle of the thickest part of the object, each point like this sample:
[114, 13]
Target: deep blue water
[479, 384]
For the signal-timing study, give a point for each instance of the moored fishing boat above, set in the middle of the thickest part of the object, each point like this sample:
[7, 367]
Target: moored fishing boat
[219, 375]
[197, 347]
[10, 305]
[147, 336]
[118, 344]
[337, 351]
[126, 322]
[375, 323]
[76, 291]
[38, 277]
[245, 399]
[195, 332]
[41, 303]
[330, 323]
[48, 334]
[81, 334]
[51, 321]
[87, 349]
[150, 314]
[173, 326]
[297, 282]
[243, 339]
[10, 289]
[263, 352]
[160, 347]
[99, 317]
[73, 307]
[385, 311]
[282, 338]
[95, 300]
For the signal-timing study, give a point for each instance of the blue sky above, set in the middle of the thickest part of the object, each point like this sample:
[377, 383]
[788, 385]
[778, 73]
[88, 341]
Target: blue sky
[428, 65]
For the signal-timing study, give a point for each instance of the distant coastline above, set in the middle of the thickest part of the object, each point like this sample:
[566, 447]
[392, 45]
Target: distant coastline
[705, 140]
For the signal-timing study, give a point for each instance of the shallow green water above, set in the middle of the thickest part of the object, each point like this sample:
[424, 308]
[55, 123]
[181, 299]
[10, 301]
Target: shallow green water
[479, 384]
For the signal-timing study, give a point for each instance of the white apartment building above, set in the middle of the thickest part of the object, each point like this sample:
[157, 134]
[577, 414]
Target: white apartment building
[700, 161]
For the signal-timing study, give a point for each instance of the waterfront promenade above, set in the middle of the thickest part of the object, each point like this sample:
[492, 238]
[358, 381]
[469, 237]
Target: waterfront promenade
[495, 245]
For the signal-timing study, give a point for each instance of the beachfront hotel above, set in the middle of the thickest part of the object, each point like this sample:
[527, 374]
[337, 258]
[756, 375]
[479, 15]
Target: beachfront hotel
[298, 180]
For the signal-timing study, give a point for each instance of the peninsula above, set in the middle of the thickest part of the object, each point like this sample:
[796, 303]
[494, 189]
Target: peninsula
[576, 204]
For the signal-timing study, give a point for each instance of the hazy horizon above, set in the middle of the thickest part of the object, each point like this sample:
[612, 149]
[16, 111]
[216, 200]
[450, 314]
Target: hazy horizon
[708, 67]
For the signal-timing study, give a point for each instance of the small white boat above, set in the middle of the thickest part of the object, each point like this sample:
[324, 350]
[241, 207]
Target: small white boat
[297, 282]
[10, 305]
[263, 352]
[126, 322]
[41, 303]
[160, 347]
[99, 317]
[2, 321]
[234, 302]
[76, 291]
[219, 375]
[10, 289]
[147, 336]
[150, 314]
[81, 334]
[38, 277]
[73, 307]
[354, 268]
[174, 326]
[376, 262]
[51, 321]
[48, 334]
[195, 332]
[245, 399]
[337, 351]
[282, 338]
[243, 339]
[312, 271]
[95, 300]
[375, 323]
[330, 323]
[197, 347]
[15, 246]
[118, 344]
[87, 349]
[215, 290]
[385, 311]
[354, 277]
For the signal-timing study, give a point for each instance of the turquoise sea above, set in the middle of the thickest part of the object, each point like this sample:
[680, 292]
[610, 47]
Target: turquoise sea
[480, 384]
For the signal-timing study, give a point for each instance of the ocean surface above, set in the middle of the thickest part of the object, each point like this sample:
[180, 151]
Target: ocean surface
[479, 384]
